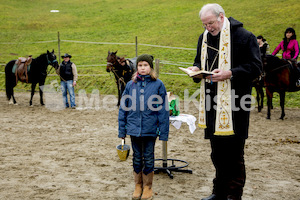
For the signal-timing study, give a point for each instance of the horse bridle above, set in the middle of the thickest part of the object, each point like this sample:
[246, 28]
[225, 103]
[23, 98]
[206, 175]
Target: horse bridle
[51, 63]
[120, 79]
[111, 65]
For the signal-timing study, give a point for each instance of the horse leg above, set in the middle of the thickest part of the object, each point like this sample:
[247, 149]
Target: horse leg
[269, 102]
[41, 97]
[259, 98]
[10, 95]
[41, 93]
[13, 97]
[261, 91]
[10, 83]
[282, 101]
[32, 93]
[119, 98]
[119, 93]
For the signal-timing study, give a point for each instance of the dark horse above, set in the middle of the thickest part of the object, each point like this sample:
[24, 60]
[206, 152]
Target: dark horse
[280, 76]
[122, 69]
[36, 74]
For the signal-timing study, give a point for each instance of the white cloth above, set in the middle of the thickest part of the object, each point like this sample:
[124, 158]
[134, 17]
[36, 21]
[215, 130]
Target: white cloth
[176, 121]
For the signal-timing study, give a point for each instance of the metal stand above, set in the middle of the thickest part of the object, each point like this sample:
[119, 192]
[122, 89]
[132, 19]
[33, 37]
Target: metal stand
[172, 167]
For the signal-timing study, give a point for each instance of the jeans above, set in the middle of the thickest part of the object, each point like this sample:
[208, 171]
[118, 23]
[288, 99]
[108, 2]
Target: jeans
[143, 154]
[68, 86]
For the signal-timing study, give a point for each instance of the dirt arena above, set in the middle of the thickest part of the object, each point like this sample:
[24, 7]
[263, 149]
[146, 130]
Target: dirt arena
[71, 154]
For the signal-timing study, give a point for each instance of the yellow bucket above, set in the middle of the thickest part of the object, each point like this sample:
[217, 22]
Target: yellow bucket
[123, 150]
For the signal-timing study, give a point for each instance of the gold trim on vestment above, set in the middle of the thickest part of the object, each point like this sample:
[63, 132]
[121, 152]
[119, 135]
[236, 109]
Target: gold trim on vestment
[223, 123]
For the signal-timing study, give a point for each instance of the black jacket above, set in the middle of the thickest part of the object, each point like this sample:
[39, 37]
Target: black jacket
[66, 71]
[246, 66]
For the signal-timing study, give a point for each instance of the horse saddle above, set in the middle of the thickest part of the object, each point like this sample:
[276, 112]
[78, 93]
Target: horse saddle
[128, 63]
[22, 67]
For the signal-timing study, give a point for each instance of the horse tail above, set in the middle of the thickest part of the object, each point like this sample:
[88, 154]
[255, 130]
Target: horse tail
[10, 80]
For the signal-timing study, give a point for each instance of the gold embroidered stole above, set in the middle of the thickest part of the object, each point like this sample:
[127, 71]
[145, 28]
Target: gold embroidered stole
[224, 125]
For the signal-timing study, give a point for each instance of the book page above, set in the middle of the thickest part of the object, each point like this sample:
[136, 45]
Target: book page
[194, 73]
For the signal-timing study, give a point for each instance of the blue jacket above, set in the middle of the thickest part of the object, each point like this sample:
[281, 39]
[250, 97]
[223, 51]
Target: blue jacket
[138, 116]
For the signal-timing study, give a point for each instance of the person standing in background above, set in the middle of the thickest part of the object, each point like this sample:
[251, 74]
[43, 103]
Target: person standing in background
[68, 76]
[263, 46]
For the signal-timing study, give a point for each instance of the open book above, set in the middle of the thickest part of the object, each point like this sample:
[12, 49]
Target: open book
[199, 74]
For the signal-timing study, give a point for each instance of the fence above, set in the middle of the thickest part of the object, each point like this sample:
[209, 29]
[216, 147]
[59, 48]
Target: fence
[136, 44]
[106, 76]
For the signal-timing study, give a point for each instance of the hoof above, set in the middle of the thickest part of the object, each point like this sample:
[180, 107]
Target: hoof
[268, 118]
[11, 102]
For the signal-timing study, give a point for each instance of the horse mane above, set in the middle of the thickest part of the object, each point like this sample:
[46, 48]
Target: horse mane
[272, 58]
[40, 63]
[41, 56]
[272, 62]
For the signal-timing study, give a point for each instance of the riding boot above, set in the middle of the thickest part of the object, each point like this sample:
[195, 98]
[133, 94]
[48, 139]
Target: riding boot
[298, 83]
[138, 186]
[297, 76]
[147, 186]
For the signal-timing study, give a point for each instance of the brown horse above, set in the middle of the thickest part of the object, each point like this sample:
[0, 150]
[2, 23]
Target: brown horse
[122, 69]
[280, 76]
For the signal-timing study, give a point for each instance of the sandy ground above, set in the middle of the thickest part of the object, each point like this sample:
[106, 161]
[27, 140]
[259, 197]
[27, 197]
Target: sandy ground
[71, 154]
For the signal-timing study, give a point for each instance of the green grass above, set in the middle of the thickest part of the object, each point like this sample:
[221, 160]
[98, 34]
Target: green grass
[157, 22]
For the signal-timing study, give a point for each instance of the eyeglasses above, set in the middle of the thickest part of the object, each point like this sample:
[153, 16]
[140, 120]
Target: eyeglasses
[209, 24]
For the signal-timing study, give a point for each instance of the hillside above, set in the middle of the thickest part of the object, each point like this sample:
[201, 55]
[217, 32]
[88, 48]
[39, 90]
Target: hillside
[29, 28]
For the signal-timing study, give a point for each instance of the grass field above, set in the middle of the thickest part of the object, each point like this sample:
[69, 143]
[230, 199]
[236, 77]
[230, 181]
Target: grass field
[26, 25]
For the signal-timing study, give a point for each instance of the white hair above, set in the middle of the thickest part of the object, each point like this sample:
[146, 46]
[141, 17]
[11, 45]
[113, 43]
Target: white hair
[213, 7]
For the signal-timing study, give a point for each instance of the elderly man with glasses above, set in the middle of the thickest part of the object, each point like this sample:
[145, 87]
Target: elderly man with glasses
[232, 54]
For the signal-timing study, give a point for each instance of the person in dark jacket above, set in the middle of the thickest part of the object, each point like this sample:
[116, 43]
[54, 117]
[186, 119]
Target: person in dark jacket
[68, 78]
[144, 116]
[263, 45]
[232, 53]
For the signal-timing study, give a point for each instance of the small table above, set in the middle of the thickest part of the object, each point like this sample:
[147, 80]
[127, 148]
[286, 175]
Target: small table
[169, 165]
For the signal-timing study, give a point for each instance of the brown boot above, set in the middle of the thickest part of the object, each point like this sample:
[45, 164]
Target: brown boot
[138, 180]
[147, 186]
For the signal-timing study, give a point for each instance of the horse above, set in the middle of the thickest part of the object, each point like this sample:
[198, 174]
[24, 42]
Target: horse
[122, 68]
[279, 77]
[37, 74]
